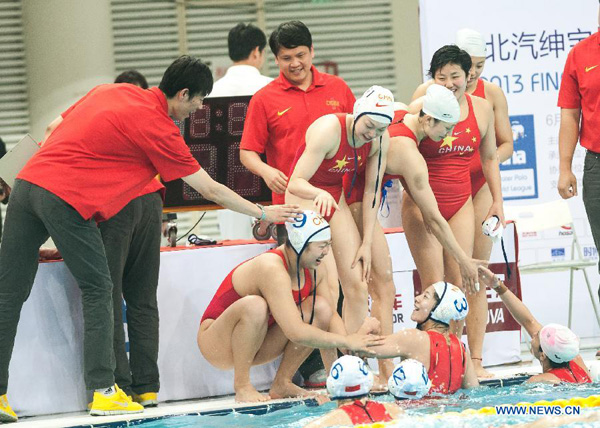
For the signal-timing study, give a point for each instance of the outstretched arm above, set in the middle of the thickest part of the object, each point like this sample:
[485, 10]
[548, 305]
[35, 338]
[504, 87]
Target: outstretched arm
[406, 160]
[408, 343]
[227, 198]
[515, 306]
[282, 306]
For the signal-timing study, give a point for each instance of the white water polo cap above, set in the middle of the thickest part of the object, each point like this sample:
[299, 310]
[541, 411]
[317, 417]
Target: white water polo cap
[472, 42]
[440, 103]
[559, 343]
[452, 306]
[594, 368]
[349, 377]
[308, 227]
[377, 103]
[409, 380]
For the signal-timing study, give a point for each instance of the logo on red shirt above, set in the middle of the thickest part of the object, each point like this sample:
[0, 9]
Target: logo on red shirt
[281, 113]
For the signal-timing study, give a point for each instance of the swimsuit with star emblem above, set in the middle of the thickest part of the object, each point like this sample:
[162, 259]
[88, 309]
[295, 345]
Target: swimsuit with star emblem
[330, 174]
[449, 163]
[396, 129]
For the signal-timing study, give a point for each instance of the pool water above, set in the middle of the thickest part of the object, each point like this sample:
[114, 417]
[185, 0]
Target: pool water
[420, 414]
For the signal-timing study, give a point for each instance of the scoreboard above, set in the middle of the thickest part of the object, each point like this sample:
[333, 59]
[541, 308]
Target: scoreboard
[213, 134]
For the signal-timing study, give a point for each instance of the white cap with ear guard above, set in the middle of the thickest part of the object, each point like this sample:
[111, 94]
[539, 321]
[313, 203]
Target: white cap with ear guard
[453, 304]
[308, 227]
[440, 103]
[349, 377]
[472, 42]
[409, 380]
[377, 103]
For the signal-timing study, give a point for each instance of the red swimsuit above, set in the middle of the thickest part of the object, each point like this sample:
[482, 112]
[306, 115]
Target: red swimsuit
[479, 89]
[447, 363]
[329, 176]
[227, 296]
[397, 129]
[449, 162]
[477, 177]
[368, 413]
[572, 374]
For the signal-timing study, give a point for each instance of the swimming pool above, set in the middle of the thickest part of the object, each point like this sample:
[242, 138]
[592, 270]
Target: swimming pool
[419, 414]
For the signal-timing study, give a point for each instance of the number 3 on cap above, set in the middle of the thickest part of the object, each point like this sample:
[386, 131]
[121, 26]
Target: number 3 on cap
[300, 222]
[463, 306]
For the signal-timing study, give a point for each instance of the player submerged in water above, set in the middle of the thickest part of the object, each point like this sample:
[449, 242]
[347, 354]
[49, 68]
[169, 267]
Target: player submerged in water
[441, 352]
[349, 383]
[554, 345]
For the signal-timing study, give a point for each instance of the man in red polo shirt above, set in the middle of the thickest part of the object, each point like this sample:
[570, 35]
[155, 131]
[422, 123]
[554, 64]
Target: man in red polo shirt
[579, 100]
[280, 113]
[103, 152]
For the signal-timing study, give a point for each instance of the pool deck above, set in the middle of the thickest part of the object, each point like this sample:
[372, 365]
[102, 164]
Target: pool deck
[227, 404]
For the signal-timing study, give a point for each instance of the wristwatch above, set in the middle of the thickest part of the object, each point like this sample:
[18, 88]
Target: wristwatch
[263, 213]
[501, 288]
